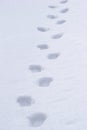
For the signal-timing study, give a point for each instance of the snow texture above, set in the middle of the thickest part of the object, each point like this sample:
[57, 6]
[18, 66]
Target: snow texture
[43, 65]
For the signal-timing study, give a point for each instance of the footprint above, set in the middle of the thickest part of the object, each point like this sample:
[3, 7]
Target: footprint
[37, 119]
[35, 68]
[63, 1]
[25, 101]
[52, 6]
[57, 36]
[52, 16]
[43, 29]
[53, 56]
[43, 46]
[64, 10]
[61, 22]
[45, 81]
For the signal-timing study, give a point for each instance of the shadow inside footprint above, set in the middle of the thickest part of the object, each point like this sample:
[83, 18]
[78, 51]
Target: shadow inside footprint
[43, 46]
[51, 16]
[63, 1]
[53, 56]
[61, 22]
[57, 36]
[37, 119]
[45, 81]
[42, 29]
[25, 101]
[64, 10]
[35, 68]
[52, 6]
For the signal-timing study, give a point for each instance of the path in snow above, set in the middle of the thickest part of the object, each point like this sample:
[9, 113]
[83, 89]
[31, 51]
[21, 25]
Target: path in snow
[37, 119]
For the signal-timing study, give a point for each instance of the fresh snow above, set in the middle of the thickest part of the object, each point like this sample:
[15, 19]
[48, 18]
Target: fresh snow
[43, 65]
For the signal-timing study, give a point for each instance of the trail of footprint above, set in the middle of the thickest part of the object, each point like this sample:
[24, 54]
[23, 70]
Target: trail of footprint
[52, 6]
[53, 56]
[63, 1]
[43, 46]
[61, 22]
[35, 68]
[43, 29]
[65, 10]
[57, 36]
[25, 101]
[45, 81]
[37, 119]
[51, 16]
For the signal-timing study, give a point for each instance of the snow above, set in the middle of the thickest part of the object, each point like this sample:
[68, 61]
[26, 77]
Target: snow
[43, 65]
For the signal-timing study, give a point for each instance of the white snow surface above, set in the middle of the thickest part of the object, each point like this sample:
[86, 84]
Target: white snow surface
[43, 87]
